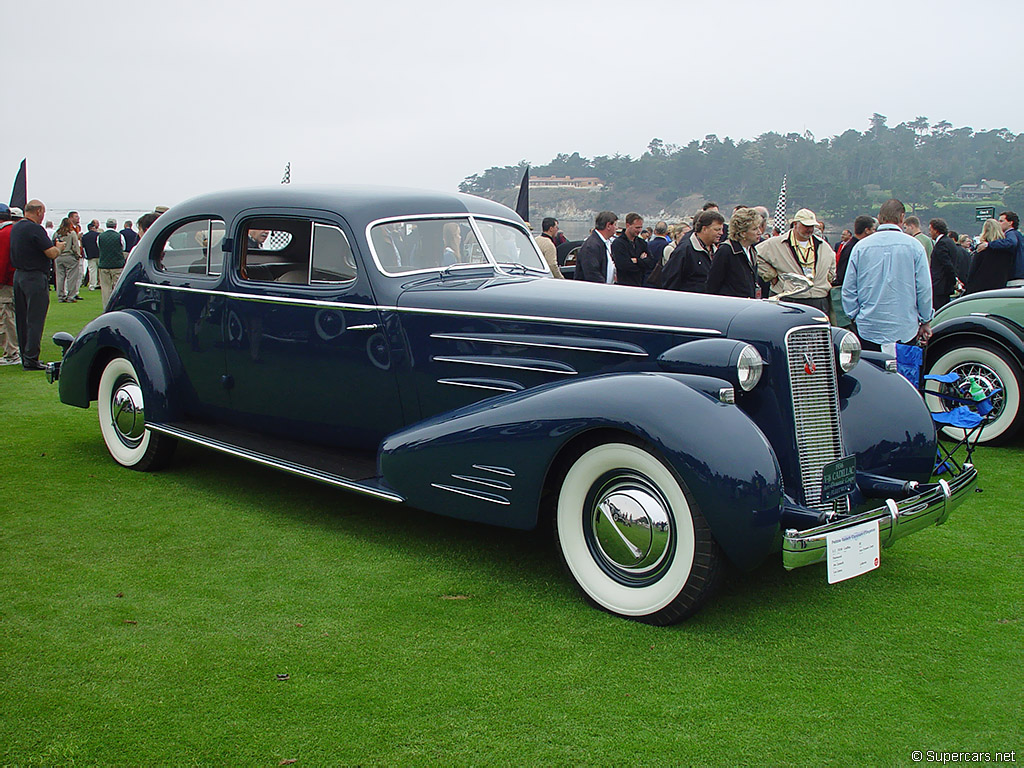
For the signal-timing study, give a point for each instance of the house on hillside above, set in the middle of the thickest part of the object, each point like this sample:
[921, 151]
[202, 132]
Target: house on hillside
[988, 188]
[570, 182]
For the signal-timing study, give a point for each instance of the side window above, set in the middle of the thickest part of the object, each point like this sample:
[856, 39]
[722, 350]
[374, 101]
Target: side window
[332, 256]
[192, 248]
[295, 251]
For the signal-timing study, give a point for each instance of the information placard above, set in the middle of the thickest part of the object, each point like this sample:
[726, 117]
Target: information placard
[852, 551]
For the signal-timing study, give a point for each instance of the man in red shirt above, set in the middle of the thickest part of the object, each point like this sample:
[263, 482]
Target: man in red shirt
[8, 330]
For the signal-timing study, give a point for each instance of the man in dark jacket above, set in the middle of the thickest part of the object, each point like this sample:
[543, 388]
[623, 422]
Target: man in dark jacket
[688, 266]
[1012, 245]
[92, 253]
[593, 262]
[632, 260]
[943, 266]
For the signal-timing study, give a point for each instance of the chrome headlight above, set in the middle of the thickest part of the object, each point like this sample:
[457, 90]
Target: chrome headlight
[849, 352]
[749, 367]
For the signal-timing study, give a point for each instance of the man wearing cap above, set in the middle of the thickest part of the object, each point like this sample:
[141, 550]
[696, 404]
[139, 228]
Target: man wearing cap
[111, 259]
[32, 253]
[887, 290]
[803, 252]
[8, 329]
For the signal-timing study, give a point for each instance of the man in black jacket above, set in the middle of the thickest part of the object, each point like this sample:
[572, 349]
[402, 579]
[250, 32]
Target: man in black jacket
[593, 262]
[943, 266]
[688, 266]
[632, 260]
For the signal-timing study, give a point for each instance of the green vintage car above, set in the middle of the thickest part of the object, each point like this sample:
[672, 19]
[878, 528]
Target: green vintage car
[982, 336]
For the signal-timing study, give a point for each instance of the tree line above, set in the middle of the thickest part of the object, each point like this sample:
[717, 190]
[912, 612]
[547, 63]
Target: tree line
[843, 176]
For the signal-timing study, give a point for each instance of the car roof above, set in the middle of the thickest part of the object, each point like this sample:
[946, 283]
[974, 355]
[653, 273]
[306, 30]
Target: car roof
[359, 204]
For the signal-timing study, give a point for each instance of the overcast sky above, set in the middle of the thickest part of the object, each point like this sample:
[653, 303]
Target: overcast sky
[134, 104]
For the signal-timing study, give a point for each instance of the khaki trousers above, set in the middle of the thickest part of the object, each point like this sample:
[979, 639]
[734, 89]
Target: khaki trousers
[108, 279]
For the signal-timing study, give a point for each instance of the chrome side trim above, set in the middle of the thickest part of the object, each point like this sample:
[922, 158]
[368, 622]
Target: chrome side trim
[504, 471]
[488, 364]
[269, 461]
[369, 327]
[494, 499]
[482, 339]
[501, 485]
[265, 299]
[448, 312]
[457, 383]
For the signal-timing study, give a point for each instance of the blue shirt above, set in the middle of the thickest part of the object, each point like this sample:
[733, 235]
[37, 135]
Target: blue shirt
[887, 289]
[1014, 242]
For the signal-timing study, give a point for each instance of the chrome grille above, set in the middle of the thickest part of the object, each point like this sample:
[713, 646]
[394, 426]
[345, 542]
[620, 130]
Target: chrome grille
[812, 383]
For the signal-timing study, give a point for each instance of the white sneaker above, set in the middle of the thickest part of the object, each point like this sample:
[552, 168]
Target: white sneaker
[15, 360]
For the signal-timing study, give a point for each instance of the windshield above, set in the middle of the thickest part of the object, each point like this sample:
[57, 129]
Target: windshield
[415, 245]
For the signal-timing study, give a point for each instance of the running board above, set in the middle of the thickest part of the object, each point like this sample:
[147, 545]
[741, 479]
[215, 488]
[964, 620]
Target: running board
[274, 462]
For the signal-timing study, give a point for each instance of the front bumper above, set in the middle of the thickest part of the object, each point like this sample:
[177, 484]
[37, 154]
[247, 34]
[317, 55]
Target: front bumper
[895, 519]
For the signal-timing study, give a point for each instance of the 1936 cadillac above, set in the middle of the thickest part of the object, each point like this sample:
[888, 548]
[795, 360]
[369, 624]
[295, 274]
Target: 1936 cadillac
[412, 347]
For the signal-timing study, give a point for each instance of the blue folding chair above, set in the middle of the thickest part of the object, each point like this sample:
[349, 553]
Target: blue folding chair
[967, 408]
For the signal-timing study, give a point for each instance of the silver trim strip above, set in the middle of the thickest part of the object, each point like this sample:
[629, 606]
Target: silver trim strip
[370, 327]
[269, 461]
[480, 496]
[449, 312]
[485, 340]
[504, 471]
[501, 365]
[455, 383]
[499, 484]
[265, 299]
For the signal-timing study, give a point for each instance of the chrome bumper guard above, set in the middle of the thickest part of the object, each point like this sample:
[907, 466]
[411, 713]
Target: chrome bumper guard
[895, 519]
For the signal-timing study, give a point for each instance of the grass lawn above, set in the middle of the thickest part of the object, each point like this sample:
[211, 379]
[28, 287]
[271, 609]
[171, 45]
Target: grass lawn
[145, 619]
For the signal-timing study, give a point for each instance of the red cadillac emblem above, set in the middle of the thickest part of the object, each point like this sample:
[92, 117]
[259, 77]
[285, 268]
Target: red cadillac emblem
[809, 366]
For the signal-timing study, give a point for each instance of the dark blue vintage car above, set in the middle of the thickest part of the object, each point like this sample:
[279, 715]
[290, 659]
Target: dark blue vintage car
[411, 346]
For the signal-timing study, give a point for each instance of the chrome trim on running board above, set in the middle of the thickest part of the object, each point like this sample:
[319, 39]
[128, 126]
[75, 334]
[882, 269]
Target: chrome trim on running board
[269, 461]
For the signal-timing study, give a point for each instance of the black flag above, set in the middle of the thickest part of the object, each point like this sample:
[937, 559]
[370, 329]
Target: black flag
[19, 195]
[523, 203]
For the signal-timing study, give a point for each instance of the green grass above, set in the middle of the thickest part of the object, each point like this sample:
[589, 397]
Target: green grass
[144, 619]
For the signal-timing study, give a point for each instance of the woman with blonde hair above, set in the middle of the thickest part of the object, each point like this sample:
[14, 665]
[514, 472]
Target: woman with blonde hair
[452, 243]
[990, 269]
[733, 270]
[69, 277]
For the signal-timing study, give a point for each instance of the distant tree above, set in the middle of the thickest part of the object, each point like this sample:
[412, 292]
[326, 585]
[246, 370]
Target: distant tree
[1013, 198]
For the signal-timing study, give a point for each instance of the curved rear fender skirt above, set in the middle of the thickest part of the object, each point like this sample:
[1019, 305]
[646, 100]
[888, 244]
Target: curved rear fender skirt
[137, 336]
[969, 329]
[488, 462]
[886, 424]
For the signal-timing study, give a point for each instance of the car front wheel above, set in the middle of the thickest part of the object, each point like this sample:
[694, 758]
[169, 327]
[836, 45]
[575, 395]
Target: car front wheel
[995, 372]
[632, 537]
[123, 420]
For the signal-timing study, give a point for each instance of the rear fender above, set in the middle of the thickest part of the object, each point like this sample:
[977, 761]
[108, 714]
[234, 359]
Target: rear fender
[136, 336]
[489, 462]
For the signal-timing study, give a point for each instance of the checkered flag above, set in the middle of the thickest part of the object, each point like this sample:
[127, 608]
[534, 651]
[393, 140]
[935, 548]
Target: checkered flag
[780, 209]
[287, 178]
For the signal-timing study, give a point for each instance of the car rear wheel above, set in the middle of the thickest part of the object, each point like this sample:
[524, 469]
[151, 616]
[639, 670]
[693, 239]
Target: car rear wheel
[123, 420]
[994, 371]
[632, 537]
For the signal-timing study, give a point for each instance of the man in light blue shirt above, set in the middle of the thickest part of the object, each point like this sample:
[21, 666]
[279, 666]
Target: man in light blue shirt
[887, 290]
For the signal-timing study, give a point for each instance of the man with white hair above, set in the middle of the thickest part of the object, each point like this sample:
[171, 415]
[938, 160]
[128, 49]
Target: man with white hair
[800, 251]
[111, 259]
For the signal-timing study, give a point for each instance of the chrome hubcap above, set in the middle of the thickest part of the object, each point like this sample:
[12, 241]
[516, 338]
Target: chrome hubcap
[987, 379]
[127, 412]
[631, 529]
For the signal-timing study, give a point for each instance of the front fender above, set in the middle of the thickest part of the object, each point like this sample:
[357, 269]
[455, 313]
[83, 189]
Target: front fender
[488, 462]
[969, 329]
[136, 336]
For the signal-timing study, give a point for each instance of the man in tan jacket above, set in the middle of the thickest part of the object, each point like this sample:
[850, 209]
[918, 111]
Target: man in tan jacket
[802, 252]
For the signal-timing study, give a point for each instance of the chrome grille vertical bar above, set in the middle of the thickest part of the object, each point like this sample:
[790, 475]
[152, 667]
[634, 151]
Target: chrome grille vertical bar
[813, 386]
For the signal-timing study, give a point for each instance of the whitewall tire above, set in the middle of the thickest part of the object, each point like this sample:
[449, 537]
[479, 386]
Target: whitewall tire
[122, 416]
[631, 536]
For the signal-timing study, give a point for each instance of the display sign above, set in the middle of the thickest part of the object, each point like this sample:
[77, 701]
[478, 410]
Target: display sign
[852, 551]
[838, 478]
[984, 212]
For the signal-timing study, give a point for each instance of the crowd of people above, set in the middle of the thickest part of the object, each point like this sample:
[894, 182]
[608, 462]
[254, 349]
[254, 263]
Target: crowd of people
[884, 280]
[34, 260]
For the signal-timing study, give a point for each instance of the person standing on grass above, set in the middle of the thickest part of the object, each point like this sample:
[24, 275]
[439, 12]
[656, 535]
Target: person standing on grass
[92, 253]
[68, 275]
[111, 259]
[32, 254]
[8, 330]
